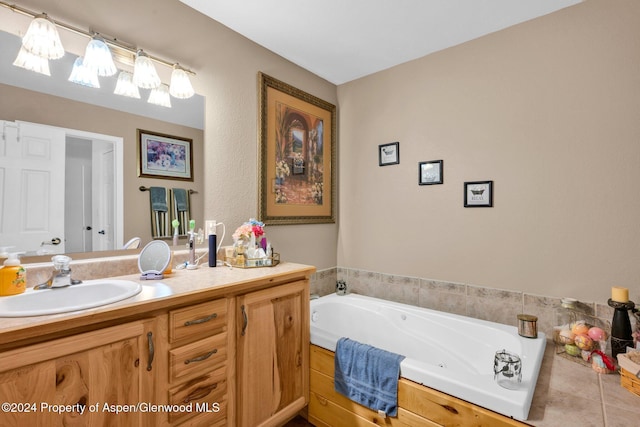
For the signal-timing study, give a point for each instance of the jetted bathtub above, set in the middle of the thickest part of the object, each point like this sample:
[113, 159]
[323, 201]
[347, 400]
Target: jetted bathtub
[447, 352]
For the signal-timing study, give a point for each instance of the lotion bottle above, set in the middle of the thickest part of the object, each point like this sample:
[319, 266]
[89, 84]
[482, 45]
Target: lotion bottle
[13, 277]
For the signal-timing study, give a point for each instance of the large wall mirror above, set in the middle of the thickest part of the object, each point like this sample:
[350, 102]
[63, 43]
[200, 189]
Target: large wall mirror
[97, 125]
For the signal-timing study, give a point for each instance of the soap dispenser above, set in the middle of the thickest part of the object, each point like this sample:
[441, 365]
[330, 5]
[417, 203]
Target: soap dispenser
[13, 277]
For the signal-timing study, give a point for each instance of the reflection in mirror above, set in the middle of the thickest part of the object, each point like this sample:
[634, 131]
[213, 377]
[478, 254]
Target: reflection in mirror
[170, 211]
[62, 189]
[133, 243]
[187, 112]
[115, 117]
[160, 211]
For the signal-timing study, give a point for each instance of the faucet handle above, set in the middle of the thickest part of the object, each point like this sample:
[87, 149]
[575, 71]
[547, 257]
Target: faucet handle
[61, 262]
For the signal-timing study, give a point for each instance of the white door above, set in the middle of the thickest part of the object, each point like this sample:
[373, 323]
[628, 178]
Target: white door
[77, 212]
[32, 158]
[103, 196]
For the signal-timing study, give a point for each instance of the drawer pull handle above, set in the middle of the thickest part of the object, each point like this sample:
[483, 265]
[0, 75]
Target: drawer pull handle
[200, 392]
[201, 358]
[199, 321]
[151, 350]
[245, 320]
[321, 400]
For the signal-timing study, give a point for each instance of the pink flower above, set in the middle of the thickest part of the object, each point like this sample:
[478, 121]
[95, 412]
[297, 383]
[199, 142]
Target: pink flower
[257, 230]
[252, 227]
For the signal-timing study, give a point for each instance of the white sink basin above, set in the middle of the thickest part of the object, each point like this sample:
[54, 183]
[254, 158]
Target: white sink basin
[89, 294]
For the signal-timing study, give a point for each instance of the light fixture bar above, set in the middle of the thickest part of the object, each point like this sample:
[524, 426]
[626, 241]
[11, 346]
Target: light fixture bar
[108, 40]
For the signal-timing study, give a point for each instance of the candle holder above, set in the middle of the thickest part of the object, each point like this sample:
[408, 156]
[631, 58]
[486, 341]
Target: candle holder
[621, 337]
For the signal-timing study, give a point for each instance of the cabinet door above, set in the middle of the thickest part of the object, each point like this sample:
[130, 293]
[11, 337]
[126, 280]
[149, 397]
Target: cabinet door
[81, 380]
[273, 354]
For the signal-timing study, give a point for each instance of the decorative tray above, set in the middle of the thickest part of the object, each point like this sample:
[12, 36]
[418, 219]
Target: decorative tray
[271, 261]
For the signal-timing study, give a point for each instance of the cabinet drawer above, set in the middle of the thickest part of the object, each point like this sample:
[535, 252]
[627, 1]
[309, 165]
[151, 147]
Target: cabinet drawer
[198, 357]
[204, 394]
[198, 321]
[208, 419]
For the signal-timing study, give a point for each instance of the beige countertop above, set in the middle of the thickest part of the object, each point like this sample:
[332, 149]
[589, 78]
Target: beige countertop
[182, 287]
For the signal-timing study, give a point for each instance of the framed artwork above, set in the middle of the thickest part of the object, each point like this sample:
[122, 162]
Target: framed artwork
[297, 137]
[164, 156]
[430, 173]
[478, 194]
[389, 154]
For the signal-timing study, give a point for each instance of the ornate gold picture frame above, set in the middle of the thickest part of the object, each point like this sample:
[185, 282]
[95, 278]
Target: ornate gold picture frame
[297, 137]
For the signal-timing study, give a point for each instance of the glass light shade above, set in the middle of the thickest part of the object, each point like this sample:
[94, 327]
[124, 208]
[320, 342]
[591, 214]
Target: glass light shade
[97, 57]
[83, 75]
[144, 72]
[29, 61]
[42, 38]
[125, 86]
[180, 84]
[160, 96]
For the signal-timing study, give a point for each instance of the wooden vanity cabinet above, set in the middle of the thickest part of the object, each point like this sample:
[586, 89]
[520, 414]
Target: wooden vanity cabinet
[238, 357]
[272, 362]
[103, 371]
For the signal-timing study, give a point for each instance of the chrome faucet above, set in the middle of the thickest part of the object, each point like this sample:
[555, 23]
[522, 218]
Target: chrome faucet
[61, 275]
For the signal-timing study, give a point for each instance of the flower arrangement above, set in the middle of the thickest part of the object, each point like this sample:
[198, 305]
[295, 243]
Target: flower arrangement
[250, 228]
[250, 247]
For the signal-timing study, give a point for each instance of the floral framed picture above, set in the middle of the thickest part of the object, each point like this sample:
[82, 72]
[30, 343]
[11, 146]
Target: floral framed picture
[164, 156]
[389, 154]
[478, 194]
[430, 173]
[297, 137]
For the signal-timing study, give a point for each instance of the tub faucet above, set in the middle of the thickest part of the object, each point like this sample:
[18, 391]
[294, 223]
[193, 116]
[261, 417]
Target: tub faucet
[341, 287]
[61, 275]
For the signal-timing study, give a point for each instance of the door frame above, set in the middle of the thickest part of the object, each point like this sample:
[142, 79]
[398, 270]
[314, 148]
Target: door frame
[118, 205]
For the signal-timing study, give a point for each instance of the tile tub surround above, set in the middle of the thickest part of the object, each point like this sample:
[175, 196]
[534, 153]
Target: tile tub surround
[496, 305]
[567, 393]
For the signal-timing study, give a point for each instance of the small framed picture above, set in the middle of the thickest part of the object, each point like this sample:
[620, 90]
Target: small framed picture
[430, 173]
[389, 154]
[164, 156]
[478, 194]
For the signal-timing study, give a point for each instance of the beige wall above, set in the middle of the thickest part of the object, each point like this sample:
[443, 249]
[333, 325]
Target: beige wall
[227, 65]
[549, 110]
[25, 105]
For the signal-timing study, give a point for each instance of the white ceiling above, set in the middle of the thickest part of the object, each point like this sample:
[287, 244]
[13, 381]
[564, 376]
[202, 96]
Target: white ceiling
[342, 40]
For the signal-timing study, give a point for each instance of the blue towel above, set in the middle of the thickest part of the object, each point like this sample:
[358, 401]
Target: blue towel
[158, 199]
[180, 197]
[367, 375]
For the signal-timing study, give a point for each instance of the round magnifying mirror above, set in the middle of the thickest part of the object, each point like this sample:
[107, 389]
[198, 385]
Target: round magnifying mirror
[154, 259]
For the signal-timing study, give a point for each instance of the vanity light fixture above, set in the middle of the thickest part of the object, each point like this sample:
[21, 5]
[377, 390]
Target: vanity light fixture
[180, 84]
[83, 75]
[160, 96]
[98, 57]
[31, 62]
[125, 86]
[145, 75]
[42, 42]
[42, 38]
